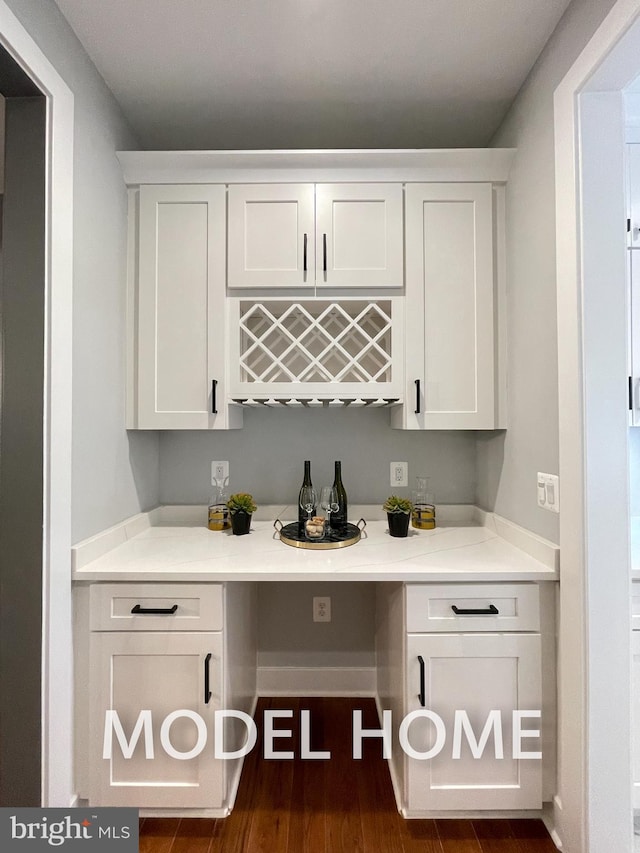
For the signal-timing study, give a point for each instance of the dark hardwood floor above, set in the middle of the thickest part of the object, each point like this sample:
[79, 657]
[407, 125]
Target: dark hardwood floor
[336, 806]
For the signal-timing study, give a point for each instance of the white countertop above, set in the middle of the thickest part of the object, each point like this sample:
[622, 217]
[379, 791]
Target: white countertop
[465, 552]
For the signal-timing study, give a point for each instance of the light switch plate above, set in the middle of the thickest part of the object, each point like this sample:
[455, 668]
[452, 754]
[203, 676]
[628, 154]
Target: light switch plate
[548, 486]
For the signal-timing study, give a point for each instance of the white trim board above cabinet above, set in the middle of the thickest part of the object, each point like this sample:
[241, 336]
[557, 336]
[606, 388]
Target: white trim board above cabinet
[369, 277]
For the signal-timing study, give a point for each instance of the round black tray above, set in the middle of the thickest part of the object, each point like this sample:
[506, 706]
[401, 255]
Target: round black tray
[291, 534]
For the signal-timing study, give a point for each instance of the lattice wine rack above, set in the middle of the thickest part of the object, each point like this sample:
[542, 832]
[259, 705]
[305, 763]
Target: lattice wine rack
[315, 352]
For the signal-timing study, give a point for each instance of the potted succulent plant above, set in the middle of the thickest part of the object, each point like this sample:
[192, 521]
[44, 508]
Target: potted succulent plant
[398, 514]
[241, 507]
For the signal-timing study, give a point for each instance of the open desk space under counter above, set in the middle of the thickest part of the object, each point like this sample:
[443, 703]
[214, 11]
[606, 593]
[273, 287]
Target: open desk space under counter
[167, 620]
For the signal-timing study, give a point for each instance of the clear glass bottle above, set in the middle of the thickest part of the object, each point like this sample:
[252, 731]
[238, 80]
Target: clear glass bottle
[219, 518]
[423, 516]
[306, 483]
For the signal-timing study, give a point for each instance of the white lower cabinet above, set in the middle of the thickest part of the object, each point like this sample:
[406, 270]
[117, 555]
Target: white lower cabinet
[635, 692]
[474, 680]
[157, 676]
[162, 659]
[635, 717]
[460, 667]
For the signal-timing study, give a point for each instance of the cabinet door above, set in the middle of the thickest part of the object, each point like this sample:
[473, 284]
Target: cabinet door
[450, 318]
[359, 235]
[180, 324]
[633, 164]
[635, 717]
[161, 673]
[477, 674]
[271, 236]
[634, 333]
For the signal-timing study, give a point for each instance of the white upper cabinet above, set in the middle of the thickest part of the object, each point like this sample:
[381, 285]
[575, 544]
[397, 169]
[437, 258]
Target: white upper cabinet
[359, 235]
[317, 278]
[450, 370]
[324, 235]
[177, 305]
[633, 278]
[633, 183]
[271, 235]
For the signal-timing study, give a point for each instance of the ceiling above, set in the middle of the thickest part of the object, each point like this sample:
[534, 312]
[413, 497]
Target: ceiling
[216, 74]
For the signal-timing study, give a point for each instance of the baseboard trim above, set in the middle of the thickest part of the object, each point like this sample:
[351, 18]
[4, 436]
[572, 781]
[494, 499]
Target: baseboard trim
[316, 681]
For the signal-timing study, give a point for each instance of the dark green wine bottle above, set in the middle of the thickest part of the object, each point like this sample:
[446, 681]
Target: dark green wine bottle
[339, 518]
[305, 482]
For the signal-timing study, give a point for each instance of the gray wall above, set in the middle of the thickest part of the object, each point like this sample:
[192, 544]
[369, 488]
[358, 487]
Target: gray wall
[114, 474]
[21, 447]
[288, 636]
[507, 463]
[266, 457]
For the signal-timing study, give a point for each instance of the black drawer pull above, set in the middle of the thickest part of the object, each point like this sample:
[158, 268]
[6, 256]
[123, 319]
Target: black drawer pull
[163, 611]
[214, 388]
[324, 253]
[421, 695]
[304, 254]
[207, 692]
[417, 409]
[491, 610]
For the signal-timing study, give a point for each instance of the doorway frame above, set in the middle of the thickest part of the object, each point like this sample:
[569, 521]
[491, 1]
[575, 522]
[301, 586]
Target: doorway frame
[593, 810]
[57, 788]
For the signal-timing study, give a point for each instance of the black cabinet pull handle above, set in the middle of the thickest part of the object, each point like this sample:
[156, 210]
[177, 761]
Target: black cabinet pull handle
[304, 254]
[207, 692]
[163, 611]
[417, 409]
[421, 695]
[324, 253]
[214, 386]
[491, 610]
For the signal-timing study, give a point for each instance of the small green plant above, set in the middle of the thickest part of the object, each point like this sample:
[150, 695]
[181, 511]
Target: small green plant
[396, 504]
[241, 502]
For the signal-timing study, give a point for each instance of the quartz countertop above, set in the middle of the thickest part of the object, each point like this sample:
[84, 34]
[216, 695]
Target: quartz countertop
[148, 548]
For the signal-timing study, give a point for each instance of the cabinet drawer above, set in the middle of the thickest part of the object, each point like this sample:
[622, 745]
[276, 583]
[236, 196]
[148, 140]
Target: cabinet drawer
[184, 607]
[505, 607]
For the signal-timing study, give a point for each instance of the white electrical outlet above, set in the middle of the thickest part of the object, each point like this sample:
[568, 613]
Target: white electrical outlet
[399, 476]
[321, 608]
[548, 486]
[219, 472]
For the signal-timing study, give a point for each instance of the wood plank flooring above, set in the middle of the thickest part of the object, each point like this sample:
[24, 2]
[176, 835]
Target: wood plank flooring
[336, 806]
